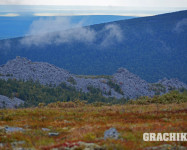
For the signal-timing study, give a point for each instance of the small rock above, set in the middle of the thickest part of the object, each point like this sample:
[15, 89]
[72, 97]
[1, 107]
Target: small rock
[13, 129]
[65, 128]
[66, 121]
[53, 134]
[14, 144]
[45, 129]
[1, 145]
[111, 133]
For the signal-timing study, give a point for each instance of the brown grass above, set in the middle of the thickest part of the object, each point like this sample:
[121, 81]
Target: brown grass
[88, 123]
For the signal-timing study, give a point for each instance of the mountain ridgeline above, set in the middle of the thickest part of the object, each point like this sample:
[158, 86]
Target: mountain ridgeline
[122, 84]
[150, 47]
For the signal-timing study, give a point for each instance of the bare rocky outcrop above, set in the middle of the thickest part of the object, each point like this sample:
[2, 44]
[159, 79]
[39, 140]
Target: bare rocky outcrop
[170, 84]
[132, 85]
[123, 84]
[99, 83]
[24, 69]
[6, 102]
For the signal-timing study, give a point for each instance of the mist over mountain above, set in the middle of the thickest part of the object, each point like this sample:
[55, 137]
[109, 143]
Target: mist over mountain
[151, 47]
[11, 27]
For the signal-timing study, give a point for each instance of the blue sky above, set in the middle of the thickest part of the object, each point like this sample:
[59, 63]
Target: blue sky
[89, 7]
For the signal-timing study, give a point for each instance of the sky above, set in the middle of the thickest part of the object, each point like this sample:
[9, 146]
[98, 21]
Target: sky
[91, 7]
[131, 3]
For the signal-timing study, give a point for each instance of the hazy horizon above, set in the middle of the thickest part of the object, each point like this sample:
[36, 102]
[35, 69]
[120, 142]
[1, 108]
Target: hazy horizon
[52, 10]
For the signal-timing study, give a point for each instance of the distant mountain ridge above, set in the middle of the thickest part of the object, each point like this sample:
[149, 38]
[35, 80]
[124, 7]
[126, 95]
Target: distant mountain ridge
[151, 47]
[122, 84]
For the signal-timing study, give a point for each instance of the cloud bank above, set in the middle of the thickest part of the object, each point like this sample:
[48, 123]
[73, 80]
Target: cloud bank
[9, 15]
[60, 30]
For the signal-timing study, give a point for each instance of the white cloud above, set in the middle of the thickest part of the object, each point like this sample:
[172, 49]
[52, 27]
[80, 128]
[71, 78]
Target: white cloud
[43, 26]
[5, 46]
[113, 34]
[9, 15]
[57, 31]
[179, 26]
[50, 14]
[61, 30]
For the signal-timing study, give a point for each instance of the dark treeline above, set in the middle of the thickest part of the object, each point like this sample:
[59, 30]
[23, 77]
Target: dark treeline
[34, 93]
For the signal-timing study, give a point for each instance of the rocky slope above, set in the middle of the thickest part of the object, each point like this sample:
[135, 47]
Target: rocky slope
[6, 102]
[121, 84]
[131, 85]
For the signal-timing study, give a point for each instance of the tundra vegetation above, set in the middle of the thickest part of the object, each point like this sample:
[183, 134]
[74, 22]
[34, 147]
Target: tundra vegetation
[66, 123]
[34, 93]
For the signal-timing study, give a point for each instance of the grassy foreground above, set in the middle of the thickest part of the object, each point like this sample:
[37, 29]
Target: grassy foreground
[88, 123]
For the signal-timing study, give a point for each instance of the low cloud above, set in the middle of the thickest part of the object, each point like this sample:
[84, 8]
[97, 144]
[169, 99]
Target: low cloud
[56, 31]
[60, 30]
[5, 46]
[179, 26]
[113, 34]
[9, 15]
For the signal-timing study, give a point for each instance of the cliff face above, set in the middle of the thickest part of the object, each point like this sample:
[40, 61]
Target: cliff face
[122, 84]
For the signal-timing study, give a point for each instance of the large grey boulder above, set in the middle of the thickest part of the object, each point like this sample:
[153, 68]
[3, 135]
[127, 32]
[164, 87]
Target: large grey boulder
[13, 129]
[111, 133]
[6, 102]
[8, 129]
